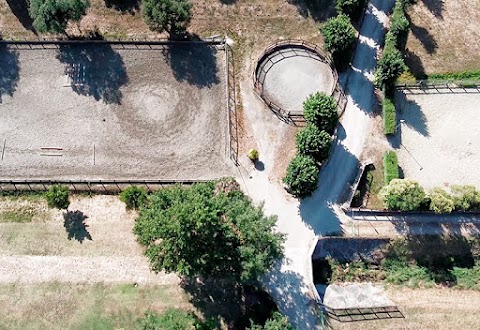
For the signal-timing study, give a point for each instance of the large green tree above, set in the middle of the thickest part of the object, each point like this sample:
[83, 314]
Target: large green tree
[302, 176]
[320, 110]
[403, 194]
[54, 15]
[311, 141]
[339, 37]
[172, 16]
[208, 230]
[389, 68]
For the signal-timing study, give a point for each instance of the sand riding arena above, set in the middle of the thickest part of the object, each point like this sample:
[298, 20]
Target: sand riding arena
[103, 111]
[288, 71]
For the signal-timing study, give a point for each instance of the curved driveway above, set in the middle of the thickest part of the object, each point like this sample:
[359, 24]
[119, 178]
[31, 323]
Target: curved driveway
[290, 284]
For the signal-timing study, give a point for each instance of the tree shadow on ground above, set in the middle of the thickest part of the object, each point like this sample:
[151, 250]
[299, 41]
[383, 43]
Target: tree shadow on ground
[294, 298]
[436, 7]
[9, 71]
[414, 64]
[334, 187]
[411, 113]
[318, 10]
[94, 70]
[74, 223]
[20, 10]
[228, 2]
[229, 301]
[195, 64]
[125, 6]
[424, 36]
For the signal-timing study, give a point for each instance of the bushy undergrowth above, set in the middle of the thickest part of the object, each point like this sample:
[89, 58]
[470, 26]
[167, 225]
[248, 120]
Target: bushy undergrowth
[389, 116]
[390, 166]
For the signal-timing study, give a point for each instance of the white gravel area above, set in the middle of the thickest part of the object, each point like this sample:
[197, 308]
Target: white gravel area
[358, 295]
[147, 114]
[440, 138]
[290, 81]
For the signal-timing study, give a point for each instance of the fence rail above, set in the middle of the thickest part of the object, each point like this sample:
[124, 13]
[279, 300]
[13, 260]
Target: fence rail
[105, 186]
[452, 86]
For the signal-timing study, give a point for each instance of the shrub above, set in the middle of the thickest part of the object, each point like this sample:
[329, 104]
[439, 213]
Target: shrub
[172, 16]
[403, 195]
[389, 116]
[53, 16]
[321, 110]
[390, 42]
[465, 198]
[57, 197]
[339, 37]
[276, 322]
[351, 8]
[389, 68]
[302, 176]
[390, 166]
[313, 142]
[134, 197]
[171, 319]
[253, 154]
[440, 201]
[399, 24]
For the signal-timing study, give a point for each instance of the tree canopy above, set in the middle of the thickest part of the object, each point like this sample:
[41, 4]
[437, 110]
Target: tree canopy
[302, 176]
[276, 322]
[311, 141]
[54, 15]
[172, 16]
[389, 68]
[339, 36]
[403, 194]
[208, 230]
[440, 201]
[321, 110]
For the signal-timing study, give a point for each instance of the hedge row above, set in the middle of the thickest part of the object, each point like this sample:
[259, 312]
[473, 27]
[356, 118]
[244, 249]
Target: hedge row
[389, 116]
[390, 166]
[408, 195]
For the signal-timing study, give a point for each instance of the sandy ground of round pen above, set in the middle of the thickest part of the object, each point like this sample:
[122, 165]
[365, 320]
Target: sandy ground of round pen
[440, 138]
[290, 81]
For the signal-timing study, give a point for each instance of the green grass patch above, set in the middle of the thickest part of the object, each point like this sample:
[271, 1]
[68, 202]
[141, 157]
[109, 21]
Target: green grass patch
[390, 166]
[464, 75]
[16, 216]
[467, 278]
[389, 117]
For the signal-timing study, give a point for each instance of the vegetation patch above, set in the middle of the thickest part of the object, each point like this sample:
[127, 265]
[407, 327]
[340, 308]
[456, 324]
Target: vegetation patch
[390, 166]
[389, 116]
[418, 261]
[21, 216]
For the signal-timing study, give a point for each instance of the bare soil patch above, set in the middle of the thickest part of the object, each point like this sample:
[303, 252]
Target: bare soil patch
[440, 139]
[117, 114]
[444, 36]
[437, 308]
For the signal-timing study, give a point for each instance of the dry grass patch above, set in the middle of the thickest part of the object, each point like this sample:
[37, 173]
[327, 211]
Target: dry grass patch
[66, 306]
[444, 36]
[437, 308]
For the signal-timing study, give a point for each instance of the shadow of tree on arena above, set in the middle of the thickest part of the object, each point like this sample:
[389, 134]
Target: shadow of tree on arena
[318, 10]
[195, 64]
[436, 7]
[125, 6]
[94, 70]
[20, 9]
[9, 71]
[74, 223]
[414, 64]
[412, 113]
[424, 36]
[228, 2]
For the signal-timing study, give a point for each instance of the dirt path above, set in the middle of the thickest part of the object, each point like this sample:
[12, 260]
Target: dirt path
[42, 269]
